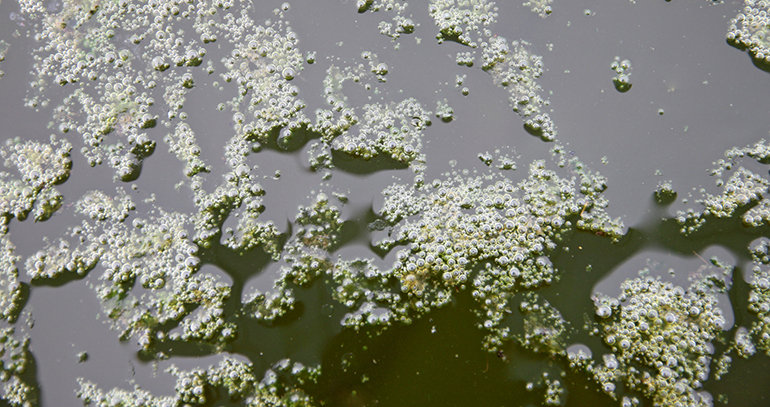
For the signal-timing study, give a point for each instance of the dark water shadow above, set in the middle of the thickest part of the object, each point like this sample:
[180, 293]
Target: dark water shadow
[289, 141]
[360, 166]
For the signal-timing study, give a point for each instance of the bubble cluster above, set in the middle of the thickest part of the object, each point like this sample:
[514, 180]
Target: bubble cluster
[360, 286]
[444, 111]
[61, 257]
[540, 7]
[156, 253]
[40, 167]
[743, 189]
[279, 387]
[401, 23]
[554, 392]
[15, 360]
[130, 72]
[622, 79]
[749, 30]
[125, 67]
[183, 143]
[743, 344]
[461, 20]
[264, 65]
[460, 223]
[661, 338]
[394, 130]
[544, 327]
[514, 68]
[306, 256]
[238, 197]
[10, 289]
[665, 192]
[4, 46]
[759, 305]
[503, 158]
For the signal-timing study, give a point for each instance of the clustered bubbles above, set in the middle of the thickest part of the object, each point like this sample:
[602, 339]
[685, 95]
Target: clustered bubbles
[743, 189]
[666, 329]
[749, 30]
[279, 387]
[759, 304]
[306, 256]
[401, 24]
[157, 253]
[459, 21]
[622, 79]
[392, 130]
[665, 192]
[444, 111]
[126, 67]
[544, 327]
[10, 289]
[40, 167]
[540, 7]
[464, 221]
[516, 69]
[16, 360]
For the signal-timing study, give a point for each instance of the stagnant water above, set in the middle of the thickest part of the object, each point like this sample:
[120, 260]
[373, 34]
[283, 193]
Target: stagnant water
[384, 203]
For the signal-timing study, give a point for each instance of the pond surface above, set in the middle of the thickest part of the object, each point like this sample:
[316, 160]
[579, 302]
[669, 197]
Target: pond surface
[384, 203]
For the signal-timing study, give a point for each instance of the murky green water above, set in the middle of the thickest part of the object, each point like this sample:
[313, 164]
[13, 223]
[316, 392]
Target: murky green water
[384, 203]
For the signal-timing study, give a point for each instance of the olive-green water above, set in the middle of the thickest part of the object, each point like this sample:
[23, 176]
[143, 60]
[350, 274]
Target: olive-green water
[693, 96]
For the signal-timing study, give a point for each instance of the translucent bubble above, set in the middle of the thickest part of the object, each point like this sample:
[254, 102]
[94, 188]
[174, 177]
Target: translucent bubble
[242, 170]
[611, 362]
[192, 262]
[604, 311]
[670, 317]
